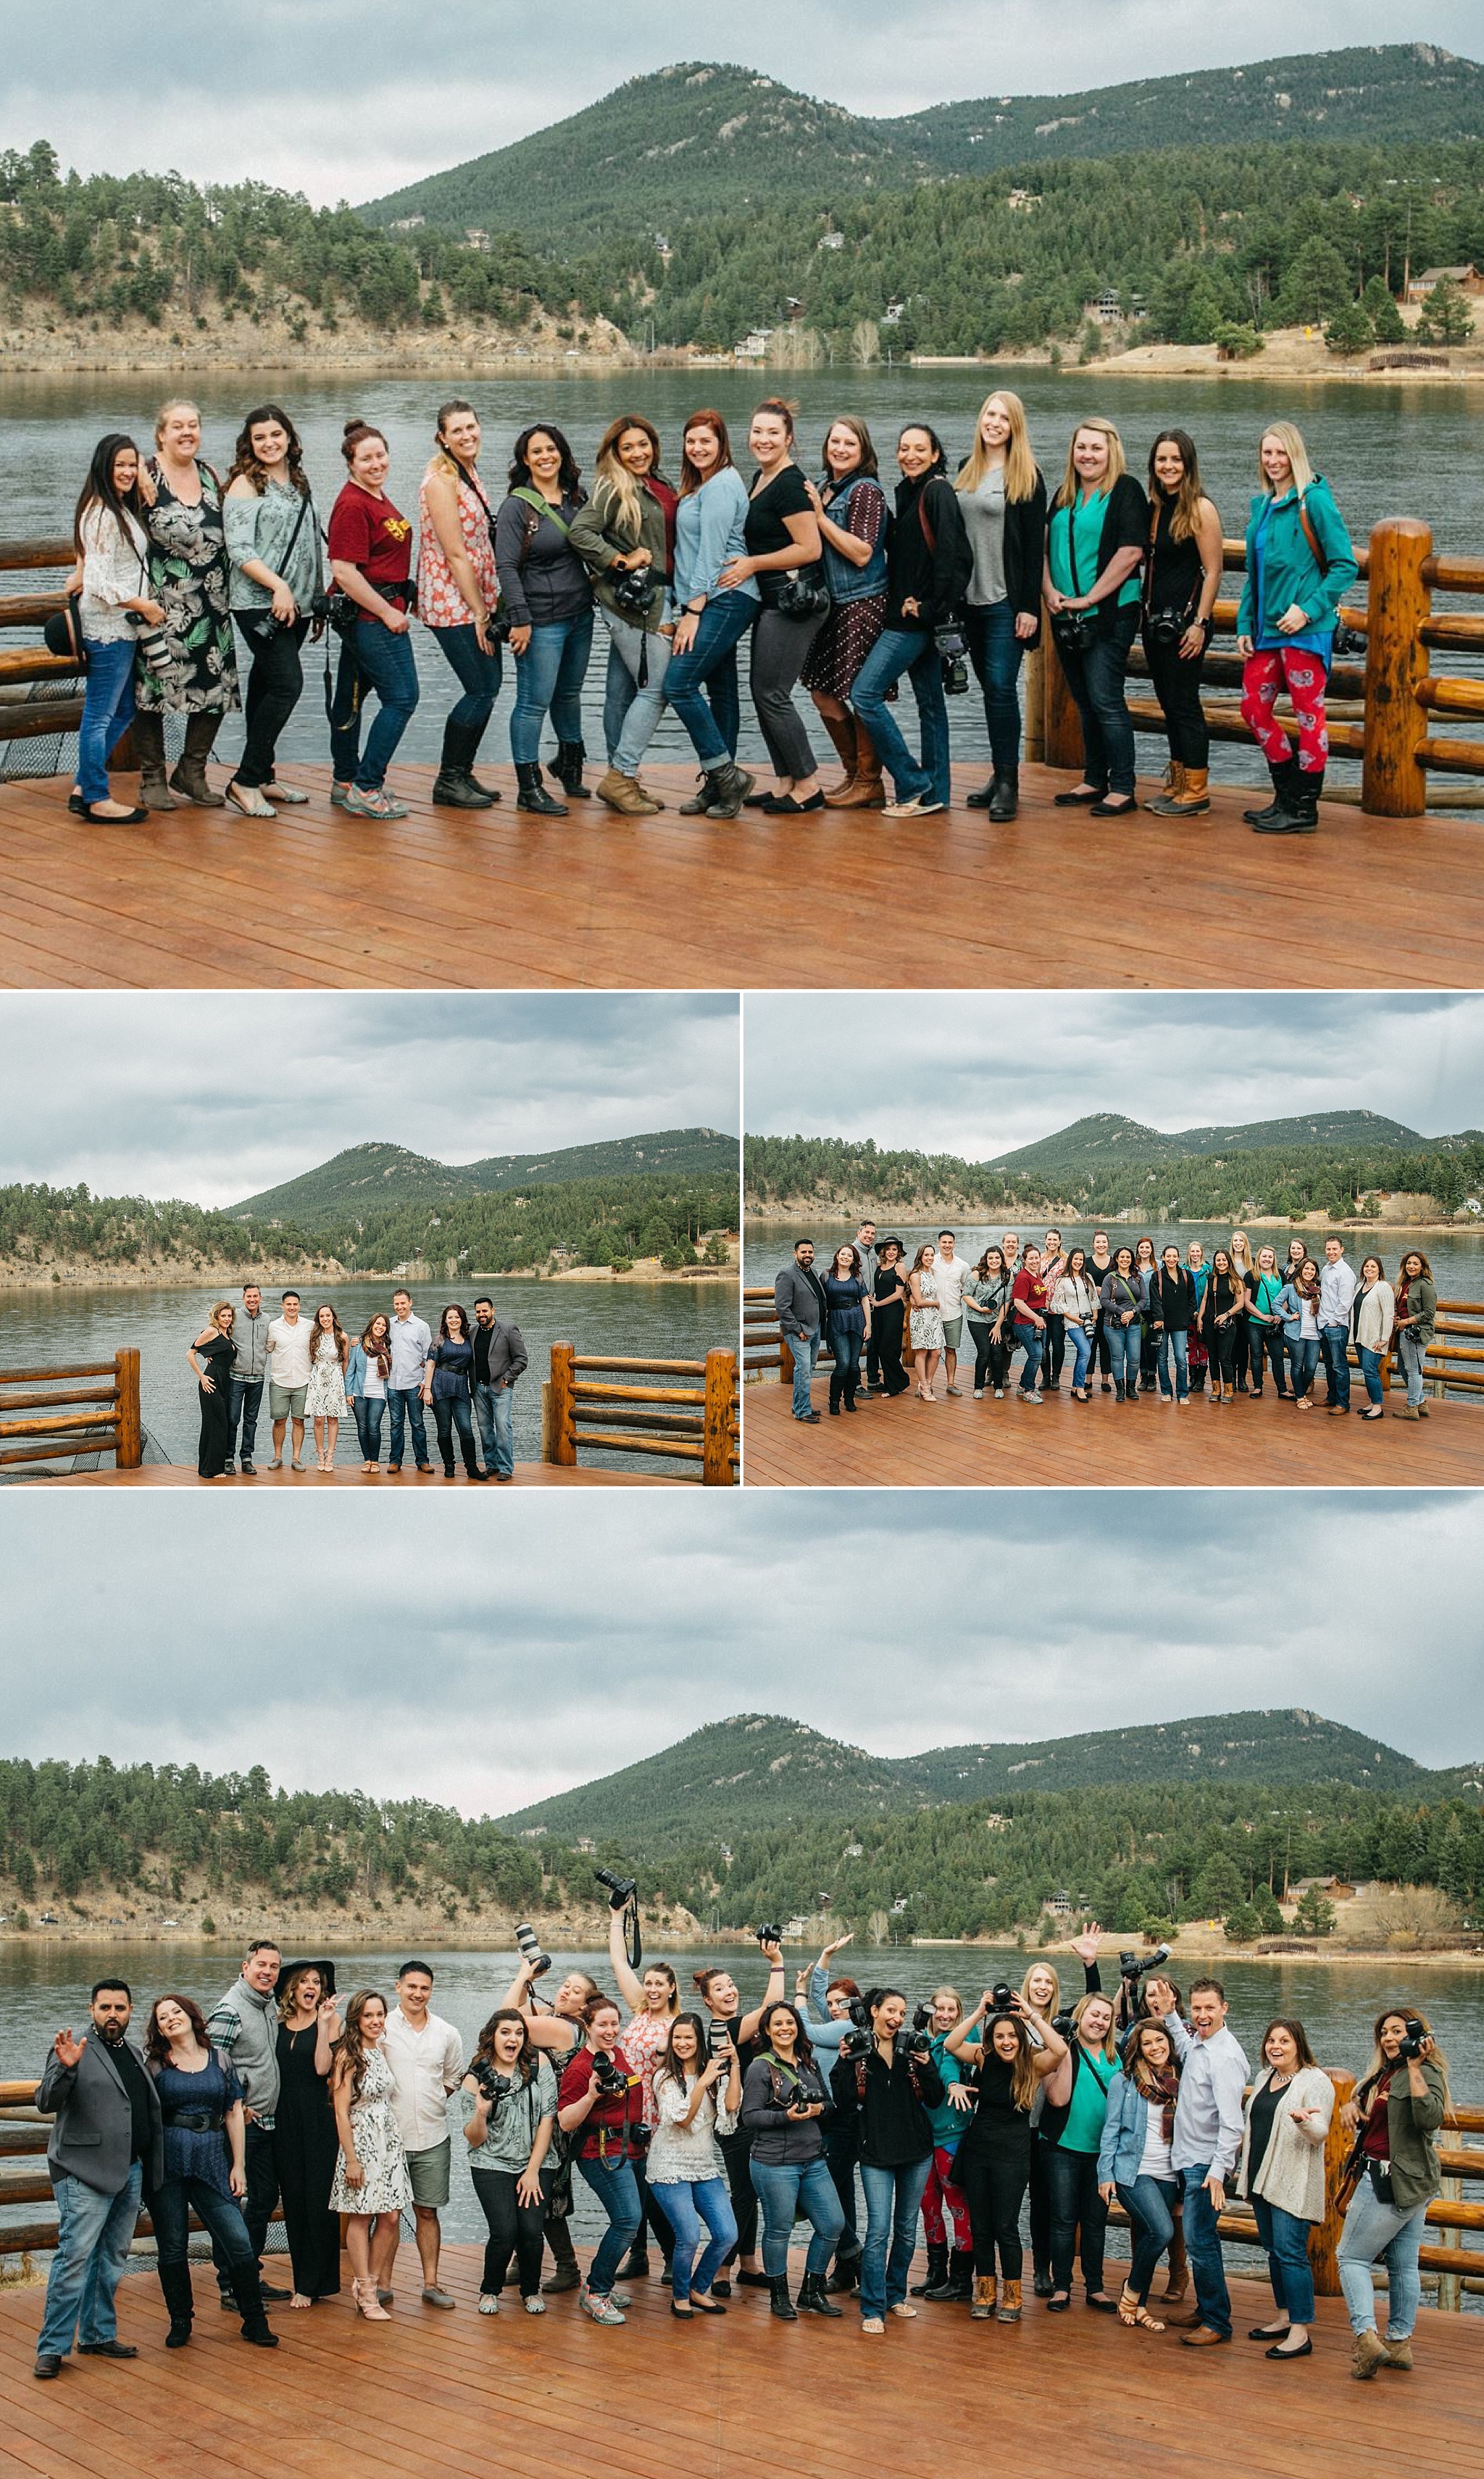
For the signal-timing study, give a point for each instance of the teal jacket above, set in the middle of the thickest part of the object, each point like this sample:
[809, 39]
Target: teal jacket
[1291, 573]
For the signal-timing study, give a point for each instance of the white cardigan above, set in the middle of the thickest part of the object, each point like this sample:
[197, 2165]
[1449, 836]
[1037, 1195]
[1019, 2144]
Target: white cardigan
[1377, 1316]
[1291, 2178]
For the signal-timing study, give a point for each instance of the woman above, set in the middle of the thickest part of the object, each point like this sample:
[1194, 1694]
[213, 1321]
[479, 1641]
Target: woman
[784, 2101]
[1172, 1310]
[1134, 2160]
[458, 591]
[367, 1373]
[782, 549]
[928, 562]
[848, 1318]
[1199, 1272]
[1281, 2171]
[1099, 1267]
[113, 550]
[1041, 1991]
[925, 1319]
[272, 540]
[987, 1296]
[1122, 1298]
[1003, 501]
[324, 1401]
[1394, 2118]
[1298, 1305]
[546, 598]
[448, 1385]
[508, 2100]
[656, 2000]
[945, 2211]
[371, 560]
[599, 2104]
[1004, 2062]
[722, 2003]
[1030, 1301]
[211, 1357]
[697, 2097]
[205, 2136]
[1071, 2130]
[887, 1308]
[1220, 1324]
[195, 673]
[1372, 1320]
[827, 2008]
[851, 507]
[1264, 1325]
[893, 2085]
[1145, 1268]
[1075, 1302]
[1245, 1271]
[304, 2139]
[1414, 1323]
[710, 522]
[624, 535]
[1095, 540]
[1182, 580]
[370, 2184]
[1299, 567]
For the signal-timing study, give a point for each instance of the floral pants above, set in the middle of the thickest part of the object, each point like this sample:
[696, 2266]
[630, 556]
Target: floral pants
[1264, 674]
[944, 2203]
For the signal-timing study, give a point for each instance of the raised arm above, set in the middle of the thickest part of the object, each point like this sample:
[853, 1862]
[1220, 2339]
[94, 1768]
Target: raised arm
[631, 1985]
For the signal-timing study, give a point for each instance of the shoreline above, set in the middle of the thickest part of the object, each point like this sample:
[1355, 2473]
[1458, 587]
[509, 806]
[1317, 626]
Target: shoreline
[811, 1209]
[218, 1278]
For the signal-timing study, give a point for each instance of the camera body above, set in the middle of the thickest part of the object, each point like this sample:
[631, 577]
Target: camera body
[1064, 2024]
[1002, 1998]
[953, 658]
[531, 1955]
[911, 2041]
[1416, 2040]
[622, 1890]
[857, 2042]
[770, 1933]
[922, 2018]
[1133, 1966]
[611, 2079]
[633, 591]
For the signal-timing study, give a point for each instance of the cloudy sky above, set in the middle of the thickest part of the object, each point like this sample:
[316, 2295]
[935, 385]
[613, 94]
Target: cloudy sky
[214, 1095]
[977, 1073]
[490, 1663]
[350, 98]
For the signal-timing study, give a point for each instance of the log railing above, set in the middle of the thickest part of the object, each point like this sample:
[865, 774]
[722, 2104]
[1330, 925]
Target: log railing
[61, 1417]
[696, 1424]
[22, 717]
[23, 2133]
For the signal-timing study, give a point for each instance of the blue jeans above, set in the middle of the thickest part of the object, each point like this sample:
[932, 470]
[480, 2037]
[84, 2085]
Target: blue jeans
[629, 712]
[1371, 1371]
[784, 2192]
[1095, 683]
[93, 2237]
[494, 1407]
[108, 710]
[1285, 2240]
[910, 650]
[612, 2182]
[893, 2197]
[451, 1413]
[687, 2207]
[1203, 2246]
[1373, 2232]
[1082, 1350]
[548, 678]
[170, 2207]
[378, 659]
[996, 654]
[477, 673]
[1334, 1342]
[405, 1403]
[369, 1411]
[247, 1403]
[1412, 1351]
[1032, 1340]
[1150, 2205]
[805, 1351]
[1303, 1361]
[1174, 1345]
[1124, 1343]
[712, 720]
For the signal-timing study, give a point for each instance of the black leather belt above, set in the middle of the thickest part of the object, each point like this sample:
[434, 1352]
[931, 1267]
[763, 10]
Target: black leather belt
[199, 2121]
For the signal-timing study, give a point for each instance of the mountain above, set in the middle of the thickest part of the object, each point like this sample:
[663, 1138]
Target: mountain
[1091, 1144]
[372, 1178]
[703, 137]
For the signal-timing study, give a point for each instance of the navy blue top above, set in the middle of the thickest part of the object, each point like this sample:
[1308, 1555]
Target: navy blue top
[843, 1302]
[196, 2151]
[453, 1367]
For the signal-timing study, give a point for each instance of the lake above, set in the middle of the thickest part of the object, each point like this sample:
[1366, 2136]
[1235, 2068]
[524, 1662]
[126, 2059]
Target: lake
[1387, 450]
[59, 1327]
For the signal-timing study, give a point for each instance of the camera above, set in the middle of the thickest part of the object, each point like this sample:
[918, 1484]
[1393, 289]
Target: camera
[1002, 1998]
[529, 1944]
[622, 1890]
[1416, 2040]
[922, 2018]
[608, 2076]
[857, 2042]
[1064, 2024]
[770, 1933]
[632, 590]
[1133, 1966]
[953, 657]
[913, 2043]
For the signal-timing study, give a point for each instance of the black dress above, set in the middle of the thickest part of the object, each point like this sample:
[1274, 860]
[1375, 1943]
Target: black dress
[305, 2150]
[886, 1327]
[214, 1451]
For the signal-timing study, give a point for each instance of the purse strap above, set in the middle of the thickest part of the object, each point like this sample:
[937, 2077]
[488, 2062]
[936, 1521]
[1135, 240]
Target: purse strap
[1311, 538]
[538, 501]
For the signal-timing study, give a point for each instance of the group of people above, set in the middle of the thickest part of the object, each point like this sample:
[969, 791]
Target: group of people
[396, 1371]
[714, 2129]
[1149, 1320]
[837, 590]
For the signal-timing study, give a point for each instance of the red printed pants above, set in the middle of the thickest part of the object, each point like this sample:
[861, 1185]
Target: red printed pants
[941, 2196]
[1263, 676]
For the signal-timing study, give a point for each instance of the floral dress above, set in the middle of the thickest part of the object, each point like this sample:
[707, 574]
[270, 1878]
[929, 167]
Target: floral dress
[386, 2186]
[928, 1322]
[326, 1399]
[190, 577]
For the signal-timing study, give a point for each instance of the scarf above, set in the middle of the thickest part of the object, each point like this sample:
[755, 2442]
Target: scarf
[1162, 2089]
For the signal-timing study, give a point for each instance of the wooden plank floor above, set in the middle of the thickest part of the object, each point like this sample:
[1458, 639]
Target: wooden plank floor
[196, 900]
[467, 2394]
[351, 1476]
[907, 1444]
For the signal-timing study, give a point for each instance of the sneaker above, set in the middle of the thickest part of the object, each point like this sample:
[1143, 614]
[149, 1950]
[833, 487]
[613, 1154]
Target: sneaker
[229, 1467]
[535, 2305]
[602, 2310]
[248, 1465]
[488, 2304]
[340, 794]
[954, 1390]
[619, 2297]
[999, 1393]
[433, 2296]
[372, 804]
[873, 2323]
[979, 1393]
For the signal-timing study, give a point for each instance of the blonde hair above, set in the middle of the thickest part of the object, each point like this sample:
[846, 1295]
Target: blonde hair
[1293, 440]
[1097, 1997]
[184, 404]
[229, 1305]
[1020, 464]
[940, 1995]
[1240, 1252]
[1118, 463]
[615, 475]
[1054, 1978]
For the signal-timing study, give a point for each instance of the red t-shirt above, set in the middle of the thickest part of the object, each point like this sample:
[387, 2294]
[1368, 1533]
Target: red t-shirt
[371, 535]
[1030, 1289]
[1377, 2144]
[605, 2130]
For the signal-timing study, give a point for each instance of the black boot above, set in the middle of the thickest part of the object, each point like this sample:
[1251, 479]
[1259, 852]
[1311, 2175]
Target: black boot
[780, 2303]
[985, 799]
[455, 786]
[533, 794]
[724, 789]
[836, 1385]
[1283, 774]
[937, 2271]
[635, 2265]
[1006, 797]
[846, 2275]
[176, 2283]
[813, 2297]
[568, 770]
[1310, 788]
[851, 1382]
[961, 2276]
[247, 2290]
[1118, 1387]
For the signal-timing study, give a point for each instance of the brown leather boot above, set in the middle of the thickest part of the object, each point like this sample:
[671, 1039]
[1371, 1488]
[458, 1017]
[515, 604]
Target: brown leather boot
[189, 777]
[1193, 797]
[867, 791]
[982, 2307]
[149, 746]
[841, 728]
[1167, 801]
[1007, 2311]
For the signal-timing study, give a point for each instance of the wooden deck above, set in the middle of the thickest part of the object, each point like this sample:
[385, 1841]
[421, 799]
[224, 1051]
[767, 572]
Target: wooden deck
[351, 1476]
[196, 899]
[963, 1444]
[718, 2400]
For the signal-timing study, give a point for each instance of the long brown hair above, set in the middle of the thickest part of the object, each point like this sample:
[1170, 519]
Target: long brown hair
[379, 1351]
[351, 2049]
[1296, 2034]
[707, 419]
[1365, 2097]
[527, 2063]
[867, 461]
[245, 463]
[289, 1987]
[342, 1339]
[1185, 508]
[157, 2048]
[1023, 2077]
[676, 2068]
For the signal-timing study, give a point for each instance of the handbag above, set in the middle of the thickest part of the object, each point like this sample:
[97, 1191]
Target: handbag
[1075, 631]
[62, 633]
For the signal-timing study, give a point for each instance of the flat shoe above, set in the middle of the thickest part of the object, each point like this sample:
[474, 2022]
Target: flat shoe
[1305, 2350]
[1075, 799]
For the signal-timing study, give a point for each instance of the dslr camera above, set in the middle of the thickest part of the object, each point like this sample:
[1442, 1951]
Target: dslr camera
[1132, 1967]
[922, 2018]
[535, 1960]
[622, 1890]
[913, 2041]
[1002, 1998]
[1416, 2040]
[719, 2036]
[953, 657]
[633, 591]
[611, 2079]
[770, 1933]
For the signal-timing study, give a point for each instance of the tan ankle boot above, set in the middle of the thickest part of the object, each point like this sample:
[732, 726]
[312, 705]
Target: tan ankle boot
[1194, 799]
[867, 791]
[1007, 2311]
[841, 728]
[982, 2307]
[1166, 800]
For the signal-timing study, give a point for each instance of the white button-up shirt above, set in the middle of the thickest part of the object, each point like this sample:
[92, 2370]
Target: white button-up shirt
[1209, 2113]
[412, 1340]
[1337, 1289]
[426, 2066]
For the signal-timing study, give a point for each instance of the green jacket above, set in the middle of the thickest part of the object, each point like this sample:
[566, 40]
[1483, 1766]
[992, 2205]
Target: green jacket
[599, 534]
[1422, 1305]
[1291, 573]
[1411, 2125]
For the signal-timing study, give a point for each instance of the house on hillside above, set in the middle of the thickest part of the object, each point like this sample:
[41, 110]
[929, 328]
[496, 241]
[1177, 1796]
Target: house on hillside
[753, 346]
[1466, 279]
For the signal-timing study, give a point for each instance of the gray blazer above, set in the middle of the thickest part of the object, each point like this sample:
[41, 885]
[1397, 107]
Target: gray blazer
[508, 1356]
[796, 1299]
[91, 2138]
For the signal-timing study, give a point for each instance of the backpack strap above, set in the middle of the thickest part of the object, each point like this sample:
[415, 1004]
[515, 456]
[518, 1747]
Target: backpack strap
[1311, 538]
[538, 501]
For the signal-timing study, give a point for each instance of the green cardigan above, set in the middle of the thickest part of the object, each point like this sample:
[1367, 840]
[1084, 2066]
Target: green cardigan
[1291, 573]
[1411, 2125]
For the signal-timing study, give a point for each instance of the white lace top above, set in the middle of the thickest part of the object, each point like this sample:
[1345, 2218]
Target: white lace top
[111, 573]
[679, 2154]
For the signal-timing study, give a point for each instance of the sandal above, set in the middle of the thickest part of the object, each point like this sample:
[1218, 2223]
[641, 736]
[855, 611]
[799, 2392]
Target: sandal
[249, 801]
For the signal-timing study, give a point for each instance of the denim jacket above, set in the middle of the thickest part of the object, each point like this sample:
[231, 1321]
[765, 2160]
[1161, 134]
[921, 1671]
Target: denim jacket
[847, 583]
[1124, 2129]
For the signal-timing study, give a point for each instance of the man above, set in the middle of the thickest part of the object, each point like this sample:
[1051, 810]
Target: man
[1337, 1291]
[1099, 1263]
[249, 1368]
[107, 2142]
[500, 1358]
[411, 1341]
[865, 1250]
[951, 1273]
[799, 1297]
[426, 2058]
[244, 2022]
[1207, 2142]
[1053, 1268]
[288, 1344]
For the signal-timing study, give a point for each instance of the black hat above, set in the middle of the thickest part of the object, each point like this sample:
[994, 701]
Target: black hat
[308, 1962]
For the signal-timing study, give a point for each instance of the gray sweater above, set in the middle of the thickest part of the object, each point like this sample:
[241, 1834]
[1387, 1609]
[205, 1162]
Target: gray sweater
[247, 2026]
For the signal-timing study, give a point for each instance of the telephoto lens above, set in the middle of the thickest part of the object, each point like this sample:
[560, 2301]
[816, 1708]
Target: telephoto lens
[719, 2036]
[530, 1951]
[622, 1890]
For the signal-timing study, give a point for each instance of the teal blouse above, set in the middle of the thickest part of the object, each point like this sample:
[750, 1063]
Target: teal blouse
[1078, 532]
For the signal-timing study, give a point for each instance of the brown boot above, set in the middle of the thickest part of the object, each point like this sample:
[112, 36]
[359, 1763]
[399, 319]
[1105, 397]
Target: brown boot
[1007, 2311]
[982, 2307]
[841, 728]
[1167, 802]
[1193, 799]
[149, 744]
[622, 792]
[189, 777]
[1178, 2270]
[866, 792]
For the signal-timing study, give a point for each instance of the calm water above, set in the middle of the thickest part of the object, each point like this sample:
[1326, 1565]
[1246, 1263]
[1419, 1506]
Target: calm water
[636, 1321]
[1387, 450]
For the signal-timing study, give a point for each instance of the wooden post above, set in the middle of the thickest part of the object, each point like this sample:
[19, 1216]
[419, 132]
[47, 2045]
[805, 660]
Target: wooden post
[785, 1361]
[716, 1433]
[564, 1408]
[1034, 704]
[546, 1455]
[1061, 722]
[1394, 784]
[129, 1453]
[1324, 2236]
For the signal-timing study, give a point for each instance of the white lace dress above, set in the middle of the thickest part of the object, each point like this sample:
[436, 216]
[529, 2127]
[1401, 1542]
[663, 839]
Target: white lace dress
[386, 2186]
[326, 1399]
